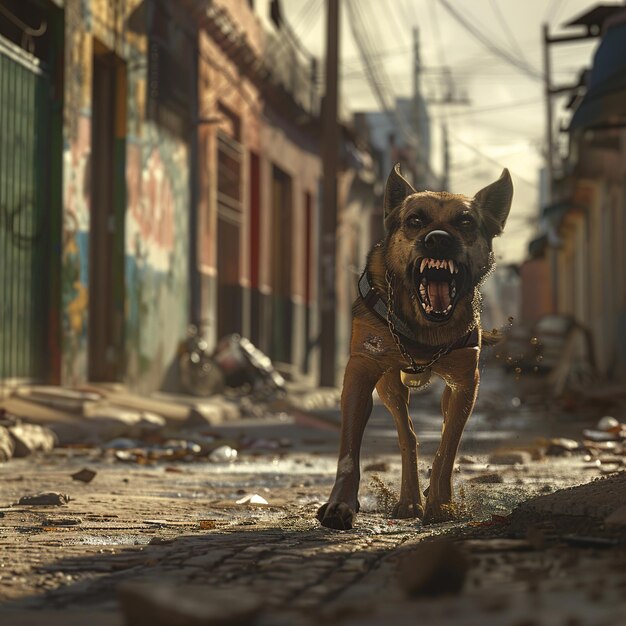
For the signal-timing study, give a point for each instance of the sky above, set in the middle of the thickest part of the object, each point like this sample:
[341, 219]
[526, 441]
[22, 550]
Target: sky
[504, 124]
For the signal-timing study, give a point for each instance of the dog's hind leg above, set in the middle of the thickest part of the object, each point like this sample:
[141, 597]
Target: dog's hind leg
[356, 406]
[395, 396]
[462, 379]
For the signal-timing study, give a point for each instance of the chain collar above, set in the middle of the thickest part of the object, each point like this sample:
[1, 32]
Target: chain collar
[413, 366]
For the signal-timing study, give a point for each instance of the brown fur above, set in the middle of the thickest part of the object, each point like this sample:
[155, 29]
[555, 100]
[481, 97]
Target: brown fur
[376, 361]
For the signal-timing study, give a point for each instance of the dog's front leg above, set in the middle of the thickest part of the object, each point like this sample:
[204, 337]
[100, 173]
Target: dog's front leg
[462, 379]
[356, 405]
[396, 398]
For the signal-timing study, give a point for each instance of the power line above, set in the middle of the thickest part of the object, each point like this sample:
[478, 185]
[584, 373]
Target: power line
[492, 47]
[498, 107]
[490, 159]
[307, 14]
[554, 9]
[507, 31]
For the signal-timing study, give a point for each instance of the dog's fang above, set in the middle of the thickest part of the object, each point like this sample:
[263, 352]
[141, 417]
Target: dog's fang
[423, 265]
[444, 265]
[451, 266]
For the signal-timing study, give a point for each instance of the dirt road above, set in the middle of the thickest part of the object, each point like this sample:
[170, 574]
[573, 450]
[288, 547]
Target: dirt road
[179, 526]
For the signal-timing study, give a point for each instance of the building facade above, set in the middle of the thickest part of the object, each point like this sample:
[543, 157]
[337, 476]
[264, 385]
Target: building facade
[162, 168]
[577, 264]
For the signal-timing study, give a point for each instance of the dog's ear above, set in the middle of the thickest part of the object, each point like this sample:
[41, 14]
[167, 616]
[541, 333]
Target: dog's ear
[494, 203]
[396, 190]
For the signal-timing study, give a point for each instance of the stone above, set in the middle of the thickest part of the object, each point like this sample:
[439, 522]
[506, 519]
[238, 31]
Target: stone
[6, 445]
[48, 498]
[156, 604]
[223, 454]
[562, 446]
[510, 457]
[607, 423]
[253, 498]
[84, 476]
[433, 568]
[30, 438]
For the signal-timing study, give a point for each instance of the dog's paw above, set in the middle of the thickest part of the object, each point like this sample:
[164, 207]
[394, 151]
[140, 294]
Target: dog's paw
[337, 515]
[408, 510]
[437, 513]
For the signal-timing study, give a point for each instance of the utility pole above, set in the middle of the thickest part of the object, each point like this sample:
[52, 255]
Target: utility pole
[421, 161]
[549, 121]
[592, 31]
[330, 157]
[445, 182]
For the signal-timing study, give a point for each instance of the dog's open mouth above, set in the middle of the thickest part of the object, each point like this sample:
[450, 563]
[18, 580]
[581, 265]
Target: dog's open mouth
[438, 283]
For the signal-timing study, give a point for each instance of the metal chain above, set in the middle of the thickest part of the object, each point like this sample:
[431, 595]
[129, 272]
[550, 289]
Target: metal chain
[392, 329]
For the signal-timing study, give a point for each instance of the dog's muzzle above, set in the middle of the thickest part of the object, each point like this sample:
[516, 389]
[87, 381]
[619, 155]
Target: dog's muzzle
[437, 239]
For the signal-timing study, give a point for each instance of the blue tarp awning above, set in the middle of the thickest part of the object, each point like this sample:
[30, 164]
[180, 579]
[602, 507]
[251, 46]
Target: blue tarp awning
[604, 104]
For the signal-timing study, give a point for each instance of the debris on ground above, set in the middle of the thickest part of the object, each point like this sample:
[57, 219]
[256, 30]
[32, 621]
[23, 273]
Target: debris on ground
[84, 475]
[31, 438]
[252, 498]
[223, 454]
[48, 498]
[6, 445]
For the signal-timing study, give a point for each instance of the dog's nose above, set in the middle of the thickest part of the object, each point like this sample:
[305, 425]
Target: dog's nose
[437, 239]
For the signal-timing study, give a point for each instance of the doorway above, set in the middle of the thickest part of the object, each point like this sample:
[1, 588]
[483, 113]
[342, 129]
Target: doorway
[106, 239]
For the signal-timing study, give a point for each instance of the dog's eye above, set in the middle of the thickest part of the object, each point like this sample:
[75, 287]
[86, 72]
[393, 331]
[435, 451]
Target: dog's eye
[414, 222]
[467, 222]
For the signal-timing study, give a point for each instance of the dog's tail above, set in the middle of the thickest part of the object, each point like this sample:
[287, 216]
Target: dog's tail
[491, 337]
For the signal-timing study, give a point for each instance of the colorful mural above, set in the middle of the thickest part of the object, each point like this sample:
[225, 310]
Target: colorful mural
[156, 256]
[76, 196]
[157, 202]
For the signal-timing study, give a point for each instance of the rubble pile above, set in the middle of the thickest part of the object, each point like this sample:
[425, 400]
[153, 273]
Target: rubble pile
[18, 439]
[602, 448]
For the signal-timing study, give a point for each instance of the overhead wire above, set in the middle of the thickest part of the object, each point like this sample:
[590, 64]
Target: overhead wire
[490, 45]
[507, 31]
[490, 159]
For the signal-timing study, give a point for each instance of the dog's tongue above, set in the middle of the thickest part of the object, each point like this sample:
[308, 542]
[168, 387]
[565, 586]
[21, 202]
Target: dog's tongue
[439, 295]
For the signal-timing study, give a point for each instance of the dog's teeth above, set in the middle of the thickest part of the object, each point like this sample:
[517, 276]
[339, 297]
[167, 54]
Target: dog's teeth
[437, 263]
[451, 266]
[449, 308]
[423, 265]
[444, 265]
[430, 263]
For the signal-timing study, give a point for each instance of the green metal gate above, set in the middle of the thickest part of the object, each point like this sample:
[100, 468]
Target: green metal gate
[25, 204]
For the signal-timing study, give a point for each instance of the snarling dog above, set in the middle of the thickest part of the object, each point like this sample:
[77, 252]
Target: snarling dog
[418, 311]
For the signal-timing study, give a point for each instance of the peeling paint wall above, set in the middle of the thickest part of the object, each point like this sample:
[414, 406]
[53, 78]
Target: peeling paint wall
[155, 229]
[76, 195]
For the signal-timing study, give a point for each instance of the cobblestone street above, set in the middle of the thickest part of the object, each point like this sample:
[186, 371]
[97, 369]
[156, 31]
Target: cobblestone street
[178, 525]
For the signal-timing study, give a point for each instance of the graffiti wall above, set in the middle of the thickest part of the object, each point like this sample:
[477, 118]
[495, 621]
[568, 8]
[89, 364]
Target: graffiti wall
[156, 257]
[156, 202]
[76, 195]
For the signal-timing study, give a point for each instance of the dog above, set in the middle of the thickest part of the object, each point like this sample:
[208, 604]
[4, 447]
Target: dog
[418, 310]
